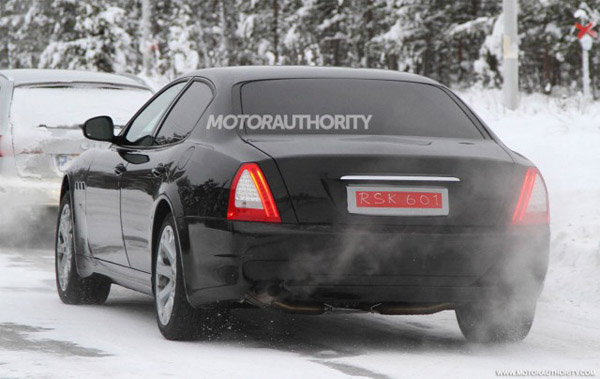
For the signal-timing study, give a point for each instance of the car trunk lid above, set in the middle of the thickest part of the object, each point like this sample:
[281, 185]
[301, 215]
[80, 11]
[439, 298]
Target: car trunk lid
[313, 166]
[47, 152]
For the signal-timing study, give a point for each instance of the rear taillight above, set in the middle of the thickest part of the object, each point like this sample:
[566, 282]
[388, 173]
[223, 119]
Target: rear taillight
[532, 207]
[5, 146]
[250, 198]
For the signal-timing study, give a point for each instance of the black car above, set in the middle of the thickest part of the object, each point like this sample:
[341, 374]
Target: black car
[306, 190]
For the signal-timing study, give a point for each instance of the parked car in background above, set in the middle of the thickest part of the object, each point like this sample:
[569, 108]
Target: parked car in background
[41, 112]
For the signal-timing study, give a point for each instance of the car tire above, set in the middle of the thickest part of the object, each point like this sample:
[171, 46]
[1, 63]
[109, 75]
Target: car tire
[503, 322]
[72, 288]
[177, 320]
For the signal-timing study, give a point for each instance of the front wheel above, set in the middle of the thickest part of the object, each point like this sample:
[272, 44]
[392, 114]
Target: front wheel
[73, 289]
[176, 318]
[508, 321]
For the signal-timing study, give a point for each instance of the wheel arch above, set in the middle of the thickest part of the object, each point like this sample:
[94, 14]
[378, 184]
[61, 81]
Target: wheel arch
[162, 209]
[164, 206]
[65, 186]
[84, 268]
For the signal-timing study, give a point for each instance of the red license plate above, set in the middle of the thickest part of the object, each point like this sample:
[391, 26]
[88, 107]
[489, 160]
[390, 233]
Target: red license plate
[397, 201]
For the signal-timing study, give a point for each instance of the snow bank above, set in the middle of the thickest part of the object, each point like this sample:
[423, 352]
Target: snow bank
[562, 137]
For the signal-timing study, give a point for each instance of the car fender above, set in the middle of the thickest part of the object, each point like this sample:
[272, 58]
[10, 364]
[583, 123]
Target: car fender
[75, 181]
[169, 195]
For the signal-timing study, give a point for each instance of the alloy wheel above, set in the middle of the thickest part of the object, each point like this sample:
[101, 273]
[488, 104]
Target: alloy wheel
[64, 247]
[165, 275]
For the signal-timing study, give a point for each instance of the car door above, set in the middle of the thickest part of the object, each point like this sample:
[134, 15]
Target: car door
[103, 204]
[142, 181]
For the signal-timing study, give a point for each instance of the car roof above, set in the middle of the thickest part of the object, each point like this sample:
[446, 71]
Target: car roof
[232, 75]
[43, 76]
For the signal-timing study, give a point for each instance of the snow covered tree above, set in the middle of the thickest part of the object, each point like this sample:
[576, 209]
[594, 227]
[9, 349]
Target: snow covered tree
[545, 30]
[456, 42]
[257, 27]
[90, 36]
[25, 26]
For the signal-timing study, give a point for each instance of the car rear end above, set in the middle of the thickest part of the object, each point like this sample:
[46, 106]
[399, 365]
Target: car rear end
[43, 137]
[422, 211]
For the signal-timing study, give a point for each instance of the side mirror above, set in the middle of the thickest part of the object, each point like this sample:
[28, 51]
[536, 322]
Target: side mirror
[99, 128]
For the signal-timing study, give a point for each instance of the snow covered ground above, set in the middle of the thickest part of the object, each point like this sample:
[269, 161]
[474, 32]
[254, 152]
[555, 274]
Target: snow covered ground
[40, 337]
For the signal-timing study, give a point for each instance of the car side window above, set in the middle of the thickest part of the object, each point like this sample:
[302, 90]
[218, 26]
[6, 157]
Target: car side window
[142, 128]
[185, 114]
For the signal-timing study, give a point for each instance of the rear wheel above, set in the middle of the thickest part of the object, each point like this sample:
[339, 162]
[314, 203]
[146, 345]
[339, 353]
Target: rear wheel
[508, 321]
[176, 318]
[73, 289]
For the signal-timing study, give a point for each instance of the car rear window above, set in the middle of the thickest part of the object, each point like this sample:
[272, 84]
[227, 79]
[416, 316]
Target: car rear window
[67, 106]
[391, 108]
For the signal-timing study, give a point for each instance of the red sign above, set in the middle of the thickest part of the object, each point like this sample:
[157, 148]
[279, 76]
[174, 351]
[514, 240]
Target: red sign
[583, 30]
[398, 199]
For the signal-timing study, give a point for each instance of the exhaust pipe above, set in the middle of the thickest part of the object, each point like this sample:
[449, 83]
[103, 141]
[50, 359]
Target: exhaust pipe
[406, 309]
[307, 308]
[272, 295]
[268, 296]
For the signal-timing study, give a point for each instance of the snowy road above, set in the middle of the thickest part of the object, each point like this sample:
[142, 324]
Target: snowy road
[41, 337]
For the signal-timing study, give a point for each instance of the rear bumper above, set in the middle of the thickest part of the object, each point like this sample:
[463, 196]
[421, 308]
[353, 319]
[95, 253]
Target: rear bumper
[353, 264]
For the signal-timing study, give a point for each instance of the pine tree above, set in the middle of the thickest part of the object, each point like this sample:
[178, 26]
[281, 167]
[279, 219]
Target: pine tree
[88, 36]
[456, 42]
[25, 24]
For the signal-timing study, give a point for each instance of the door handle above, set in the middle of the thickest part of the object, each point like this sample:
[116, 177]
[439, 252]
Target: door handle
[120, 169]
[158, 171]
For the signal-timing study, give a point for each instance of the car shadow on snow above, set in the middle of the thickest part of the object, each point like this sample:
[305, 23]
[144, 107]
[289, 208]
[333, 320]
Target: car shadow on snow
[338, 335]
[321, 339]
[325, 336]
